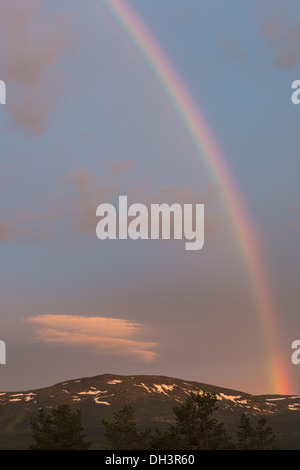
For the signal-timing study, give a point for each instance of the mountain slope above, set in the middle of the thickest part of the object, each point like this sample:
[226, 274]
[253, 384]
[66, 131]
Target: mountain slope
[152, 398]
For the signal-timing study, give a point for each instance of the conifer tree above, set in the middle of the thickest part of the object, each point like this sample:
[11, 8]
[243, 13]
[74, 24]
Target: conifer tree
[195, 426]
[122, 433]
[260, 437]
[61, 429]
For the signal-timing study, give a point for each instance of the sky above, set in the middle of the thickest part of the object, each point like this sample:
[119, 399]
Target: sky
[86, 120]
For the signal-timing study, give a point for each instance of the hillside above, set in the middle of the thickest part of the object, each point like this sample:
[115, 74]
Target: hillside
[152, 398]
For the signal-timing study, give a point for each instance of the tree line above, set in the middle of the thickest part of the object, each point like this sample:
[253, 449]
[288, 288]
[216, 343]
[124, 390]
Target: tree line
[194, 428]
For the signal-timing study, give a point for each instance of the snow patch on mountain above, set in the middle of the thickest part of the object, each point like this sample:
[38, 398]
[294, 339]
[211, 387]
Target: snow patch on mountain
[162, 388]
[100, 402]
[92, 392]
[143, 386]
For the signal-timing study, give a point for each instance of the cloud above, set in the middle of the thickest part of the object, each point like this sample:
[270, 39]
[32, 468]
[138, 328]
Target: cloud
[119, 166]
[283, 37]
[26, 224]
[17, 225]
[31, 47]
[82, 191]
[77, 208]
[110, 335]
[93, 190]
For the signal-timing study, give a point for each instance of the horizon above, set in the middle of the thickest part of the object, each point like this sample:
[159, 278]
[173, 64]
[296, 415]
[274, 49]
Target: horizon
[158, 376]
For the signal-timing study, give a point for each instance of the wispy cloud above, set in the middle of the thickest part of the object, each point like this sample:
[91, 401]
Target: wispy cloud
[110, 335]
[283, 37]
[17, 225]
[120, 166]
[92, 190]
[31, 46]
[81, 192]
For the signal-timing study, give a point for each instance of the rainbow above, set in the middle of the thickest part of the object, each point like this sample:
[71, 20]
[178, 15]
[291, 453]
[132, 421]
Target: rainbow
[208, 149]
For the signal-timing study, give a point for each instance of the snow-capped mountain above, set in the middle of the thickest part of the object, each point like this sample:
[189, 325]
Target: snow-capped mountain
[152, 397]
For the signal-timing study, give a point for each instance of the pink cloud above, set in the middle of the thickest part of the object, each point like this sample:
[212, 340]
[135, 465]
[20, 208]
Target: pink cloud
[111, 335]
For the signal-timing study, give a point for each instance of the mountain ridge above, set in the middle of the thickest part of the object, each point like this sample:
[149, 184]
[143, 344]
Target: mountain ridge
[291, 402]
[152, 397]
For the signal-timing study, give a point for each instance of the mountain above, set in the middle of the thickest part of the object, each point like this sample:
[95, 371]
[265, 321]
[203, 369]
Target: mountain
[152, 398]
